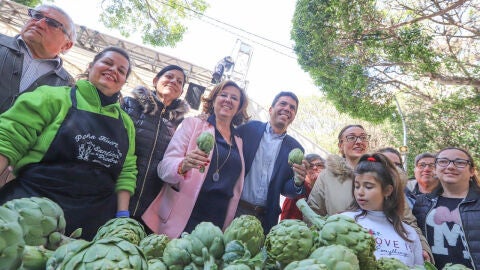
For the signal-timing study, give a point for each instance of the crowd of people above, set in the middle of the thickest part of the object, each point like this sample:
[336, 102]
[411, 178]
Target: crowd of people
[83, 145]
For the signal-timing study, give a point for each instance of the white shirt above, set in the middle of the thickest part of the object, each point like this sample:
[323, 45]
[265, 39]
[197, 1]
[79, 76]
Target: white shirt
[388, 242]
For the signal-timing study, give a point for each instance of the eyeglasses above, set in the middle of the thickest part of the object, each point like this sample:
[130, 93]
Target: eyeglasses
[424, 165]
[353, 138]
[459, 163]
[38, 16]
[319, 165]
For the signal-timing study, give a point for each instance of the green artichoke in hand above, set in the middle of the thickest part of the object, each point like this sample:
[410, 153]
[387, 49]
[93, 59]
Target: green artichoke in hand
[295, 157]
[205, 143]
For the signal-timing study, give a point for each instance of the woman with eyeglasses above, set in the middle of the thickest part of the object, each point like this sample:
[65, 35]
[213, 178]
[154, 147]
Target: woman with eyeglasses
[450, 215]
[331, 192]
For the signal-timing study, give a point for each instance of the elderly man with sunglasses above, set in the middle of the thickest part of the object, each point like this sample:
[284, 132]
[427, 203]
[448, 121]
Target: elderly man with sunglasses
[32, 58]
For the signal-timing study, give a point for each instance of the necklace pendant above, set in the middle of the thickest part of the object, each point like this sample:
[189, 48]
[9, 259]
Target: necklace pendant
[216, 176]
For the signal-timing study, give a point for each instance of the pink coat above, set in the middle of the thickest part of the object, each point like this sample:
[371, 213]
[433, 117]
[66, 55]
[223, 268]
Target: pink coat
[169, 212]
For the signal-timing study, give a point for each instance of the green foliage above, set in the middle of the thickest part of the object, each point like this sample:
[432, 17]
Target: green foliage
[161, 23]
[362, 53]
[453, 121]
[30, 3]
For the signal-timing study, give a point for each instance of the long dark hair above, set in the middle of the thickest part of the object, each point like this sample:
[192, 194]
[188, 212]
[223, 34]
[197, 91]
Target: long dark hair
[386, 174]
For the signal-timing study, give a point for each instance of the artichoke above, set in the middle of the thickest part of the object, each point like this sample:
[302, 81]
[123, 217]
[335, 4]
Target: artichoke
[247, 229]
[237, 254]
[288, 241]
[451, 266]
[295, 157]
[156, 264]
[307, 264]
[125, 228]
[176, 255]
[63, 253]
[336, 257]
[387, 263]
[153, 245]
[235, 250]
[205, 142]
[12, 243]
[207, 244]
[35, 258]
[342, 230]
[39, 217]
[107, 253]
[237, 267]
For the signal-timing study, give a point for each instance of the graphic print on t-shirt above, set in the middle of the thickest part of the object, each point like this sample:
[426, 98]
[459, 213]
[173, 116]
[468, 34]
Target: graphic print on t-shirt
[445, 234]
[446, 229]
[391, 245]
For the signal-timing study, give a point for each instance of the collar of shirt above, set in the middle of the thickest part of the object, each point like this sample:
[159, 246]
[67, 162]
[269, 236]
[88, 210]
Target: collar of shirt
[57, 61]
[269, 131]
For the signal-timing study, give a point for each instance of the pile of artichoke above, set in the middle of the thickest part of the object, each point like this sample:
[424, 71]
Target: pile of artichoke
[31, 237]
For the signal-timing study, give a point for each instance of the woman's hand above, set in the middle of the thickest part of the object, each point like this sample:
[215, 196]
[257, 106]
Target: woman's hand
[194, 160]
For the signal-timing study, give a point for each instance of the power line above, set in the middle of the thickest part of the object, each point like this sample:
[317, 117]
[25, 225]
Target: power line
[202, 16]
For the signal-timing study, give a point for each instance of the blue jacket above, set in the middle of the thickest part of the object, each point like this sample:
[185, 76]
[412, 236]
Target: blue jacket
[282, 177]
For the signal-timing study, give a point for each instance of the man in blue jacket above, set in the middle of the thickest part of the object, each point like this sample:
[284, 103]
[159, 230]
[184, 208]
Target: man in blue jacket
[267, 173]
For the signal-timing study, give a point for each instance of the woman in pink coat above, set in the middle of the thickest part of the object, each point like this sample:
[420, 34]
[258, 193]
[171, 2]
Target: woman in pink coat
[189, 195]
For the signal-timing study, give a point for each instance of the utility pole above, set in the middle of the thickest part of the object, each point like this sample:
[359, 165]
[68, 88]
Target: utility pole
[404, 148]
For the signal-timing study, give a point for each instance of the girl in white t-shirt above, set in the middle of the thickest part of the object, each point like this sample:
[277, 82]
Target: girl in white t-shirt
[378, 207]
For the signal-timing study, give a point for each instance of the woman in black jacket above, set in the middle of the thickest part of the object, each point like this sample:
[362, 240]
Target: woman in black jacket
[156, 115]
[450, 215]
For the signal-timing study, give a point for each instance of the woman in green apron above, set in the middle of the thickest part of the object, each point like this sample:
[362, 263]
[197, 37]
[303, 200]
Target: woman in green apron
[74, 145]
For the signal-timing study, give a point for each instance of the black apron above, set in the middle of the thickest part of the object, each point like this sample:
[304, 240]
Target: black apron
[79, 170]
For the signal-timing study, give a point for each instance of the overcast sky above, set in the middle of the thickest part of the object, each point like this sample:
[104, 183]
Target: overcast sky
[204, 45]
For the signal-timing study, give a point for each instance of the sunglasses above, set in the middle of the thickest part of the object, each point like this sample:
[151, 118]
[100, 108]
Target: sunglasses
[38, 16]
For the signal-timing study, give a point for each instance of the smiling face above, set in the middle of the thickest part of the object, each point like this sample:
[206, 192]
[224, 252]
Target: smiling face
[169, 86]
[227, 103]
[353, 150]
[44, 41]
[451, 175]
[368, 192]
[282, 114]
[425, 171]
[109, 73]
